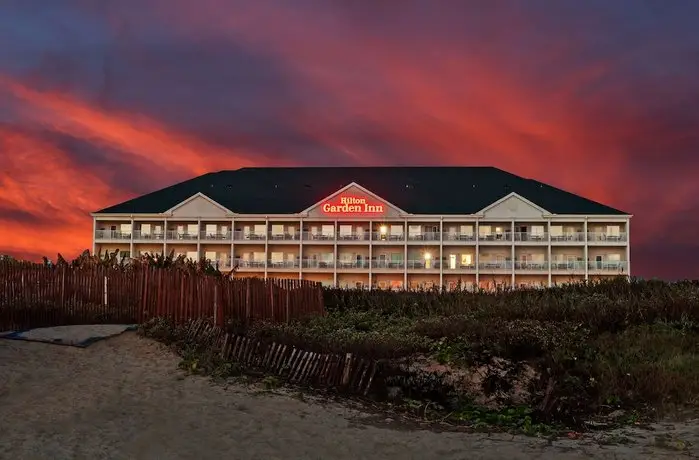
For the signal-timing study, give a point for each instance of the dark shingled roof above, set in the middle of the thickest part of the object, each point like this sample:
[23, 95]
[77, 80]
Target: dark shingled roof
[416, 190]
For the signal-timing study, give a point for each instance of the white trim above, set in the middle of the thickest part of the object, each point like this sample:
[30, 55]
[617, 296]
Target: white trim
[194, 197]
[482, 212]
[348, 186]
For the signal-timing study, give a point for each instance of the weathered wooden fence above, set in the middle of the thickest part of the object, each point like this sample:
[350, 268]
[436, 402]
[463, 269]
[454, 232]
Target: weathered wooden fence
[293, 365]
[37, 296]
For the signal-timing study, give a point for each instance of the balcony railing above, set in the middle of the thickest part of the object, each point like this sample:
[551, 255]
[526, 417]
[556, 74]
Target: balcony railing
[240, 263]
[285, 236]
[606, 237]
[572, 265]
[352, 264]
[569, 237]
[215, 236]
[423, 264]
[532, 237]
[533, 266]
[378, 236]
[426, 236]
[318, 236]
[112, 235]
[612, 266]
[506, 236]
[242, 235]
[460, 267]
[388, 264]
[457, 236]
[495, 265]
[175, 235]
[140, 235]
[311, 263]
[353, 236]
[283, 264]
[222, 262]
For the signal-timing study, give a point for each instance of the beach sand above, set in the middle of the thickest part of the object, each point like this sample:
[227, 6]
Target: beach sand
[124, 398]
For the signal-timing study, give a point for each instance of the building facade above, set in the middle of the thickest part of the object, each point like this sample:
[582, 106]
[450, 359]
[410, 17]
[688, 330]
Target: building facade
[453, 227]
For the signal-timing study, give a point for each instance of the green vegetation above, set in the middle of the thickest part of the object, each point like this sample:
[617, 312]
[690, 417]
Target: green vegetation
[541, 357]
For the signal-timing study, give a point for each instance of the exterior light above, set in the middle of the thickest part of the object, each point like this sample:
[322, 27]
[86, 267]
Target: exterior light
[383, 229]
[427, 256]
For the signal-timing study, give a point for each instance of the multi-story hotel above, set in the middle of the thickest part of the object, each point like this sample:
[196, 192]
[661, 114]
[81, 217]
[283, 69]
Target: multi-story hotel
[388, 227]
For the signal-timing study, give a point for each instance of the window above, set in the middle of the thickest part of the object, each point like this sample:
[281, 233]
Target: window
[224, 229]
[614, 257]
[556, 230]
[328, 231]
[210, 255]
[414, 230]
[258, 256]
[612, 230]
[277, 257]
[260, 229]
[211, 229]
[125, 228]
[466, 230]
[452, 261]
[192, 229]
[484, 230]
[466, 259]
[158, 229]
[345, 230]
[537, 230]
[192, 255]
[277, 229]
[145, 229]
[396, 230]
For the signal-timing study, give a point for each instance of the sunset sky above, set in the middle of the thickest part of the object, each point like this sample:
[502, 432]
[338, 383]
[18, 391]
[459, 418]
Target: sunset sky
[99, 104]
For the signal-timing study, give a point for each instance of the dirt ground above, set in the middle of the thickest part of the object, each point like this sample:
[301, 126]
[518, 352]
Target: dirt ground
[123, 398]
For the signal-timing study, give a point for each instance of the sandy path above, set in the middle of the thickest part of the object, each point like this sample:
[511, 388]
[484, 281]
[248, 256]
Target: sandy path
[123, 398]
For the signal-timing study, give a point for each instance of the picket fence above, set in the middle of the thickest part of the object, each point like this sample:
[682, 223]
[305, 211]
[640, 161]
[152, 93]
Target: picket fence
[37, 296]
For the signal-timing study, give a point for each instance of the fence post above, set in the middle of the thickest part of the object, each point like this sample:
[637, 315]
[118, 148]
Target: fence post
[63, 287]
[288, 318]
[216, 318]
[247, 299]
[106, 303]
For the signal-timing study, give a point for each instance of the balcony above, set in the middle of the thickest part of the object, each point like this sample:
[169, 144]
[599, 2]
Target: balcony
[426, 236]
[573, 237]
[222, 263]
[457, 236]
[577, 265]
[353, 236]
[286, 236]
[600, 237]
[257, 264]
[388, 264]
[423, 265]
[215, 236]
[471, 266]
[241, 235]
[495, 237]
[506, 265]
[352, 264]
[387, 237]
[281, 264]
[149, 236]
[112, 235]
[320, 264]
[531, 266]
[529, 237]
[607, 266]
[318, 236]
[175, 235]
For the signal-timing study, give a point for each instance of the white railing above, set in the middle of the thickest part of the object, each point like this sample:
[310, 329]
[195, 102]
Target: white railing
[423, 264]
[569, 237]
[532, 237]
[313, 263]
[457, 236]
[140, 235]
[186, 236]
[240, 263]
[447, 266]
[595, 237]
[424, 236]
[495, 265]
[388, 264]
[353, 264]
[285, 236]
[607, 266]
[242, 235]
[283, 264]
[354, 236]
[577, 265]
[378, 236]
[112, 235]
[506, 236]
[318, 236]
[215, 236]
[533, 266]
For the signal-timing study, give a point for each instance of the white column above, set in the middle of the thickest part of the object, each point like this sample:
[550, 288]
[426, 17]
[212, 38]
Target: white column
[165, 237]
[266, 244]
[405, 254]
[335, 255]
[94, 235]
[131, 241]
[512, 252]
[232, 243]
[300, 248]
[586, 255]
[441, 252]
[478, 255]
[198, 240]
[371, 252]
[628, 248]
[548, 248]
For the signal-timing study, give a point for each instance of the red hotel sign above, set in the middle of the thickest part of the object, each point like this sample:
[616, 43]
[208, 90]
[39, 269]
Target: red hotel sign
[352, 205]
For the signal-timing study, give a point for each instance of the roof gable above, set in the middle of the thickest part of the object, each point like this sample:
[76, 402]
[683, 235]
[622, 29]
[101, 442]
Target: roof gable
[513, 206]
[198, 205]
[353, 200]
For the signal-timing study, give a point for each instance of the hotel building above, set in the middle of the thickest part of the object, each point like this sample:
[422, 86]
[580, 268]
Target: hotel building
[376, 227]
